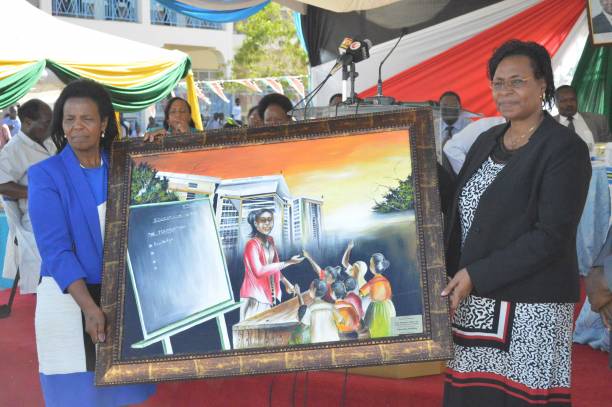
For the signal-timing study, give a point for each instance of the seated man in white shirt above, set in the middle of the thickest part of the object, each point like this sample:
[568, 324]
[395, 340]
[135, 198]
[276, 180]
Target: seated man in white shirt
[31, 145]
[458, 146]
[591, 127]
[453, 121]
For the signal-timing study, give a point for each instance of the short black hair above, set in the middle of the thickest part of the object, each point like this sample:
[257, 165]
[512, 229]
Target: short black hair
[381, 264]
[167, 112]
[252, 218]
[450, 93]
[274, 99]
[320, 287]
[335, 95]
[85, 88]
[540, 63]
[339, 289]
[256, 107]
[350, 283]
[565, 87]
[31, 109]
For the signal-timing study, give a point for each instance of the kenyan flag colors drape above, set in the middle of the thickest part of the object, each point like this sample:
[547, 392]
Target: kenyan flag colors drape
[465, 65]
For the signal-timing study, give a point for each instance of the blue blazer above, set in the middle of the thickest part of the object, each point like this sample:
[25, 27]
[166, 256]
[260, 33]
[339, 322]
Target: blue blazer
[65, 220]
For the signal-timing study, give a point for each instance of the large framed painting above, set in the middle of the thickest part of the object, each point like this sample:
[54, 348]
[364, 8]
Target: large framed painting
[600, 21]
[310, 245]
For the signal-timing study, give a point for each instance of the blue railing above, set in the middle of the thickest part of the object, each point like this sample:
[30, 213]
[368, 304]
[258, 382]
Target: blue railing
[161, 15]
[115, 10]
[73, 8]
[120, 10]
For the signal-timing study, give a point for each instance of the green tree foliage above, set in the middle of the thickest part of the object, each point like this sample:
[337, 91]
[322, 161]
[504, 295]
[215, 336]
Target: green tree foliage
[146, 188]
[271, 46]
[400, 198]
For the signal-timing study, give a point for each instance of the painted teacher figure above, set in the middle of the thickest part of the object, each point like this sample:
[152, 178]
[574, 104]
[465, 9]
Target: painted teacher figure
[262, 268]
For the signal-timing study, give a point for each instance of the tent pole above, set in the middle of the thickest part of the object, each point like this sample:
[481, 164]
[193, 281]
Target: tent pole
[192, 98]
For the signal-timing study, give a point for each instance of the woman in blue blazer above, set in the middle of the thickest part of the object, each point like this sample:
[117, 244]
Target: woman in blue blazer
[67, 204]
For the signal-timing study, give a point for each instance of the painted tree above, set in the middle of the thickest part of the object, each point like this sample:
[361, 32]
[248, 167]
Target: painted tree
[147, 188]
[271, 46]
[400, 198]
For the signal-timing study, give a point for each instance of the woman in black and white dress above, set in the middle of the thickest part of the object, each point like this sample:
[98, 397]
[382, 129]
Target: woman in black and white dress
[511, 245]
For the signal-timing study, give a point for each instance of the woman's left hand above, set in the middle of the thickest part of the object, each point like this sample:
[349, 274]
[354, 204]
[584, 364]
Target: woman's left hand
[458, 288]
[288, 287]
[150, 136]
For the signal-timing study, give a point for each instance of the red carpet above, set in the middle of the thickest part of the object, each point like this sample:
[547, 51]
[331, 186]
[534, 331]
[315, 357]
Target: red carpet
[592, 380]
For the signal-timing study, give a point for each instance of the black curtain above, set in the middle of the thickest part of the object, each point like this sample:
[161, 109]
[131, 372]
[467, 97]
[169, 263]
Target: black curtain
[324, 30]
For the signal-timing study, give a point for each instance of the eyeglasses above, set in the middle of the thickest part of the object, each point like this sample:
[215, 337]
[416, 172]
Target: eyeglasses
[512, 84]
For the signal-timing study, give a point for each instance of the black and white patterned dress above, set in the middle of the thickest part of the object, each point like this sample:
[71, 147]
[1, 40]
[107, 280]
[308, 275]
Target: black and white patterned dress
[506, 354]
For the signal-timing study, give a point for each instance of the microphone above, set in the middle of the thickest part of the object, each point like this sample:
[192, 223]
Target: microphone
[360, 50]
[379, 99]
[344, 45]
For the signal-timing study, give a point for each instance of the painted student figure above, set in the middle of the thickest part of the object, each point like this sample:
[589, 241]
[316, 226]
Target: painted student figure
[322, 315]
[328, 274]
[348, 320]
[261, 289]
[381, 310]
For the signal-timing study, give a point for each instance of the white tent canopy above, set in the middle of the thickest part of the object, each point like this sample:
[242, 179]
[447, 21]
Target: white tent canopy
[53, 38]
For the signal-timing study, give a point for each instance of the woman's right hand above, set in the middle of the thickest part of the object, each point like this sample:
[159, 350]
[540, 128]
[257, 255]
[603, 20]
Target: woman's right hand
[295, 260]
[150, 136]
[606, 315]
[95, 323]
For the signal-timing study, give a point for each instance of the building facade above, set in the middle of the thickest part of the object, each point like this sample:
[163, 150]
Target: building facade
[298, 221]
[211, 46]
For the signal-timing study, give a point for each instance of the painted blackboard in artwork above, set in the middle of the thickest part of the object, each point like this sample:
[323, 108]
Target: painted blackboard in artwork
[177, 266]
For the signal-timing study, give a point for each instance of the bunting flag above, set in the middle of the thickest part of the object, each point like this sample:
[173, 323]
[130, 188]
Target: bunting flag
[249, 83]
[274, 84]
[296, 84]
[217, 88]
[201, 95]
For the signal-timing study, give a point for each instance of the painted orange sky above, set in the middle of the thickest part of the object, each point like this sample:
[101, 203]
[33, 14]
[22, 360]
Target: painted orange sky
[348, 173]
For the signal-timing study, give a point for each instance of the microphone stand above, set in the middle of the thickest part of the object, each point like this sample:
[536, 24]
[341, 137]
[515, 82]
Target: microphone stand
[379, 99]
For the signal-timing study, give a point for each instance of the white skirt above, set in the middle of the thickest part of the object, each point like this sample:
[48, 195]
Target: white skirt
[59, 331]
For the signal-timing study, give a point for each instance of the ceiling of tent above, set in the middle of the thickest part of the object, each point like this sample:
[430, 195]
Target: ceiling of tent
[324, 30]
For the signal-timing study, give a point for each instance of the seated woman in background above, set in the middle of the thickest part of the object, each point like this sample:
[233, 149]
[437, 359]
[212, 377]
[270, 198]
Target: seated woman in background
[254, 119]
[67, 205]
[177, 120]
[274, 109]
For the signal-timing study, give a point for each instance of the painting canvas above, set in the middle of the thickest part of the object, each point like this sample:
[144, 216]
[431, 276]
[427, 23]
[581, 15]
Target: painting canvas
[275, 247]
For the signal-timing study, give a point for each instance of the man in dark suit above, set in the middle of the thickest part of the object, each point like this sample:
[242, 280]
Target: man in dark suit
[591, 127]
[602, 22]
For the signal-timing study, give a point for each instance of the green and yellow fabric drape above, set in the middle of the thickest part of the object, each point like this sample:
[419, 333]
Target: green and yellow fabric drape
[132, 86]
